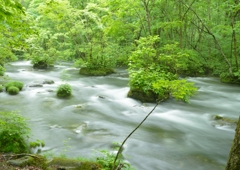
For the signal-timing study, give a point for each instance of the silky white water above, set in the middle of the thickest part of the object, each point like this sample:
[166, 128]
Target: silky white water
[177, 136]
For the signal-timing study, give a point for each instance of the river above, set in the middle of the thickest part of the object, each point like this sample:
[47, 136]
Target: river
[177, 135]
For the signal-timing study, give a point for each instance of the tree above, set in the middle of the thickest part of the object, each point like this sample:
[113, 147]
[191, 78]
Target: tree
[234, 156]
[154, 71]
[14, 29]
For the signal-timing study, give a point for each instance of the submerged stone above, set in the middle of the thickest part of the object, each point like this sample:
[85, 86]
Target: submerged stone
[219, 120]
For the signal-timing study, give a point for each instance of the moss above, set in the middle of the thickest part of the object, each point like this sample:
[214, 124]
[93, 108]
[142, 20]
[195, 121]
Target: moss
[28, 160]
[64, 90]
[38, 161]
[13, 90]
[145, 97]
[17, 84]
[224, 120]
[96, 72]
[74, 164]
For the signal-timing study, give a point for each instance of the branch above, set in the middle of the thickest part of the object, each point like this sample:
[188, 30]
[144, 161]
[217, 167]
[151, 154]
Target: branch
[120, 148]
[214, 38]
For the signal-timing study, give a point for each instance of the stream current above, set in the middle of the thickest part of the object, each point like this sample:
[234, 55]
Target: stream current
[176, 136]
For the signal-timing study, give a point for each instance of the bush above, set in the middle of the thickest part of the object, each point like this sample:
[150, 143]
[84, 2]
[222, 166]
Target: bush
[156, 77]
[13, 90]
[2, 70]
[14, 133]
[64, 90]
[17, 84]
[1, 88]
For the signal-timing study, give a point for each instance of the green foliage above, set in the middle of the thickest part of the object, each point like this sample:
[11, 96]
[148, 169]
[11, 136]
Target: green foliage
[64, 90]
[106, 160]
[37, 143]
[8, 8]
[225, 77]
[2, 70]
[40, 53]
[1, 88]
[13, 90]
[155, 70]
[14, 28]
[179, 89]
[14, 133]
[17, 84]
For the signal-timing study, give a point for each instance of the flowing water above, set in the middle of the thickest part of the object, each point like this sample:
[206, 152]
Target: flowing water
[177, 136]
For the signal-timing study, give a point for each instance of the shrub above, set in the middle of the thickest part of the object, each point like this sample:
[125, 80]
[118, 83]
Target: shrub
[2, 70]
[64, 90]
[13, 90]
[14, 133]
[154, 72]
[17, 84]
[1, 88]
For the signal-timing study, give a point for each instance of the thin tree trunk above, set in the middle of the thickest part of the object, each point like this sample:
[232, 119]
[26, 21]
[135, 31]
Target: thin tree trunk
[234, 156]
[207, 30]
[148, 14]
[234, 39]
[180, 29]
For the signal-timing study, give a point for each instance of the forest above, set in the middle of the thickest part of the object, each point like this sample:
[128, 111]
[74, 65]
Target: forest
[159, 42]
[200, 38]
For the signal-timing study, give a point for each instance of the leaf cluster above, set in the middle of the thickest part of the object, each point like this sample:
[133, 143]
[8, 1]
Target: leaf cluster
[156, 70]
[64, 90]
[14, 133]
[106, 160]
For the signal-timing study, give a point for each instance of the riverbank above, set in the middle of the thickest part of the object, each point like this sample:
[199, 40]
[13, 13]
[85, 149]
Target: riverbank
[38, 162]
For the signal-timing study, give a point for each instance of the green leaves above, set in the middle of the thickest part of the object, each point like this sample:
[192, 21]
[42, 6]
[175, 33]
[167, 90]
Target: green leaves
[179, 89]
[14, 133]
[155, 70]
[64, 90]
[9, 8]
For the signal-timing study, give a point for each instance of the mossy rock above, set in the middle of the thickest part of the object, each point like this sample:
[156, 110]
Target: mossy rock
[96, 72]
[224, 120]
[17, 84]
[150, 97]
[64, 91]
[29, 160]
[66, 163]
[40, 65]
[13, 90]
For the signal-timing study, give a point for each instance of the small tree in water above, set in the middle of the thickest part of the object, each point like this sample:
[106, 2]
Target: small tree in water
[154, 71]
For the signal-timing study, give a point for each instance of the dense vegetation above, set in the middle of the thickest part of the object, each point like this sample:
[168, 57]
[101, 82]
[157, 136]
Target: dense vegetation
[159, 46]
[199, 38]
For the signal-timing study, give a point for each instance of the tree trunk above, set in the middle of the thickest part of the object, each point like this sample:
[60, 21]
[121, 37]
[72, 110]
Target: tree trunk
[234, 156]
